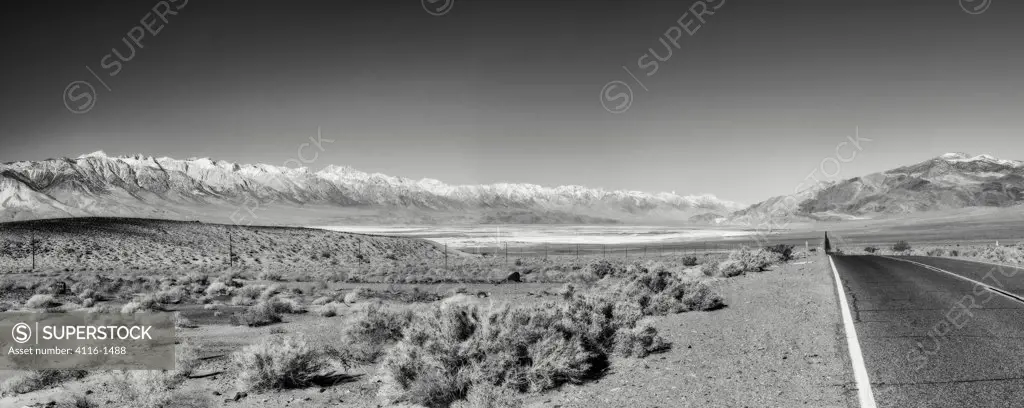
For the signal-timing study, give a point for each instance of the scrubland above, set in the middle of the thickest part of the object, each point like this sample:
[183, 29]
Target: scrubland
[398, 330]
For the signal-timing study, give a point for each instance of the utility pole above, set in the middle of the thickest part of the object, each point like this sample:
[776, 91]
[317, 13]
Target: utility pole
[506, 253]
[545, 252]
[445, 255]
[604, 251]
[32, 245]
[577, 252]
[627, 252]
[645, 251]
[231, 250]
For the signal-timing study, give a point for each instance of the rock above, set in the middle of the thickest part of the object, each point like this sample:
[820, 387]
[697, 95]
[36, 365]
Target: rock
[239, 395]
[88, 392]
[323, 389]
[216, 393]
[514, 277]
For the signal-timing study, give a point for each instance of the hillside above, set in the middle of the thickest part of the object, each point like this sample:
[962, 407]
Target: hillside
[950, 181]
[151, 245]
[225, 192]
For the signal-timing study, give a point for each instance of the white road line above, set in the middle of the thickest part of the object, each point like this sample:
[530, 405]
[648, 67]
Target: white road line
[860, 373]
[979, 283]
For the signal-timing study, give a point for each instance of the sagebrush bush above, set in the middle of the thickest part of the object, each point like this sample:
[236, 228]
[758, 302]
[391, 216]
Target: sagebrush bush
[689, 261]
[639, 341]
[785, 251]
[448, 350]
[374, 328]
[870, 249]
[36, 380]
[41, 302]
[144, 303]
[281, 362]
[260, 314]
[901, 246]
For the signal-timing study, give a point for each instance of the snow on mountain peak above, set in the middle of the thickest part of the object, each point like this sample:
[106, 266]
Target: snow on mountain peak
[97, 154]
[964, 157]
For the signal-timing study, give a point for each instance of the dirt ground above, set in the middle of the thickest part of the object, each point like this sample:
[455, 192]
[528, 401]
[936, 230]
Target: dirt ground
[777, 343]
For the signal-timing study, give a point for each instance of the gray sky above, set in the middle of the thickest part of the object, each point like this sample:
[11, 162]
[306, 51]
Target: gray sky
[496, 91]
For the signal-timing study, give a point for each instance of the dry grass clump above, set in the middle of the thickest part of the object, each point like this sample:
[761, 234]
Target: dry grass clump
[281, 362]
[39, 379]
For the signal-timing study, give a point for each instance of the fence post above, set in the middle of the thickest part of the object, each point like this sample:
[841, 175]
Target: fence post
[506, 253]
[604, 251]
[577, 252]
[446, 256]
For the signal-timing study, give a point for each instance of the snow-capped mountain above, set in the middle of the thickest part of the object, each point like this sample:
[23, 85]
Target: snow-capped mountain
[950, 181]
[200, 188]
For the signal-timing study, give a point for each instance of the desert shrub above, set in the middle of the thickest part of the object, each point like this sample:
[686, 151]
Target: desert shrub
[171, 295]
[600, 269]
[689, 261]
[374, 328]
[936, 252]
[746, 260]
[217, 288]
[730, 268]
[483, 395]
[41, 302]
[281, 362]
[870, 249]
[448, 350]
[144, 303]
[182, 322]
[330, 309]
[286, 305]
[322, 301]
[260, 314]
[356, 295]
[785, 251]
[271, 275]
[709, 268]
[953, 252]
[39, 379]
[639, 341]
[901, 246]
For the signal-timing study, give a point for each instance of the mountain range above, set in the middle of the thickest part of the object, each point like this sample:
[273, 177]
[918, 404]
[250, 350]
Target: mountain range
[218, 191]
[950, 181]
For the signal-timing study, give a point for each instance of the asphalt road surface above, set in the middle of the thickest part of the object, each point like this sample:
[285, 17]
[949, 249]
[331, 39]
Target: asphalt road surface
[930, 339]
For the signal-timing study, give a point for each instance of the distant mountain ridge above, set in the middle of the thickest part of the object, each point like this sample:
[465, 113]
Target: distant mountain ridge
[949, 181]
[200, 188]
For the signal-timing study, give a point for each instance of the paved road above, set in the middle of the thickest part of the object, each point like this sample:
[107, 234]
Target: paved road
[929, 339]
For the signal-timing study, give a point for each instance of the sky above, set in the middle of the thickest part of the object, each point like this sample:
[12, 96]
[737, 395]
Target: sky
[758, 98]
